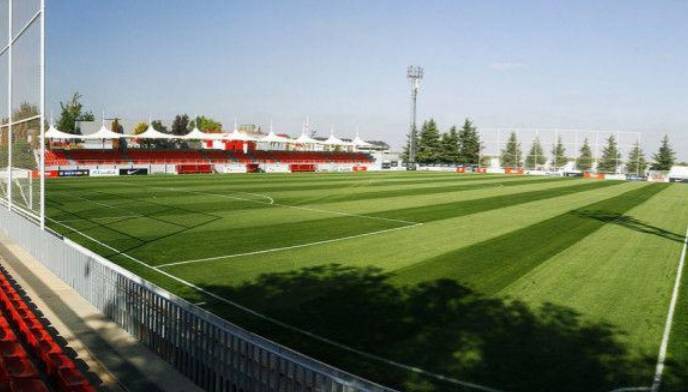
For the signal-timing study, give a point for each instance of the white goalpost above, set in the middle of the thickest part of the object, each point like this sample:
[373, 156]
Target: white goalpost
[22, 99]
[18, 183]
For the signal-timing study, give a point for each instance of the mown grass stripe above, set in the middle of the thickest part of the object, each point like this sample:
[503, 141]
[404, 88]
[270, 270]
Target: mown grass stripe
[356, 196]
[251, 239]
[492, 265]
[132, 190]
[467, 207]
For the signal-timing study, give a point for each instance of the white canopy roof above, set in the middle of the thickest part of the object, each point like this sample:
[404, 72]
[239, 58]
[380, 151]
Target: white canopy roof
[54, 133]
[152, 133]
[197, 134]
[236, 135]
[274, 138]
[335, 141]
[358, 142]
[305, 139]
[103, 133]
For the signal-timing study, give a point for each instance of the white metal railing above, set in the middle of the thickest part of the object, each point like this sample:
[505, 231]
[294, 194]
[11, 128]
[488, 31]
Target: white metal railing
[214, 353]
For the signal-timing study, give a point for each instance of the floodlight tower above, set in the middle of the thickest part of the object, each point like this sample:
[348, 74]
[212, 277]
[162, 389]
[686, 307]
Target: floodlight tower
[414, 74]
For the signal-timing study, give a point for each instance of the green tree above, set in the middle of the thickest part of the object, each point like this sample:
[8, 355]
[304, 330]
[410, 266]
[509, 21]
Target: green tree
[115, 126]
[450, 146]
[585, 158]
[469, 143]
[611, 156]
[664, 158]
[206, 124]
[559, 158]
[536, 155]
[140, 128]
[71, 112]
[429, 148]
[512, 156]
[636, 163]
[157, 125]
[180, 125]
[407, 147]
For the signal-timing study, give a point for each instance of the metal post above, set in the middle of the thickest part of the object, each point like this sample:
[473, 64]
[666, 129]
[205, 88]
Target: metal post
[9, 106]
[638, 165]
[597, 151]
[412, 144]
[41, 166]
[414, 74]
[617, 157]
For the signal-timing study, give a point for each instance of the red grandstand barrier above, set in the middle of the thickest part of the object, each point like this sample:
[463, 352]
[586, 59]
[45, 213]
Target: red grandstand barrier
[194, 169]
[514, 170]
[301, 168]
[594, 176]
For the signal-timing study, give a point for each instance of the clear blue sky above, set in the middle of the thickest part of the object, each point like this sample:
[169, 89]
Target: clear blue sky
[575, 64]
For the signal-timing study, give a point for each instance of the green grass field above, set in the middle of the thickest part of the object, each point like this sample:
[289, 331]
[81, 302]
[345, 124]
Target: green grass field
[516, 283]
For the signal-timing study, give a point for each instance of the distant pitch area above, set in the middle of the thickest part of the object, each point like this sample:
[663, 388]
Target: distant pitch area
[419, 281]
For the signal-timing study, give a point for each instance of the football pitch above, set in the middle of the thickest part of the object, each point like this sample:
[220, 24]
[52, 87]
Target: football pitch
[419, 281]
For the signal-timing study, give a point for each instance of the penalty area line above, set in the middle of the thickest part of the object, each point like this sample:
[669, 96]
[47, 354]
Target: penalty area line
[290, 327]
[283, 248]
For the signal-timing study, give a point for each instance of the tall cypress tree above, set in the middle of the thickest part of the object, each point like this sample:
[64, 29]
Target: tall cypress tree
[664, 158]
[450, 146]
[611, 156]
[559, 158]
[469, 143]
[536, 155]
[636, 163]
[585, 158]
[429, 143]
[512, 156]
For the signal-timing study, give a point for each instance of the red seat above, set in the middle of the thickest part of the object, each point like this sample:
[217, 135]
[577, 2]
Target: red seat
[19, 367]
[10, 349]
[27, 385]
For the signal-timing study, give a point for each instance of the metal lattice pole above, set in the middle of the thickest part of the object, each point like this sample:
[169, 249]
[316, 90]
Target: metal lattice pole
[414, 74]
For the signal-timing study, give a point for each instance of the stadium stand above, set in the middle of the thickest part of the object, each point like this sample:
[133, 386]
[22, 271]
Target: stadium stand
[140, 156]
[30, 358]
[55, 158]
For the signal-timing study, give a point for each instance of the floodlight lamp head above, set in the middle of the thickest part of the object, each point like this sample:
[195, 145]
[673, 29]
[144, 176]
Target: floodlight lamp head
[414, 72]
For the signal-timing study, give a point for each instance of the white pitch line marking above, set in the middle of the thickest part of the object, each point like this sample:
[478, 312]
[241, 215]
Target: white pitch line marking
[294, 207]
[258, 252]
[661, 357]
[289, 326]
[99, 217]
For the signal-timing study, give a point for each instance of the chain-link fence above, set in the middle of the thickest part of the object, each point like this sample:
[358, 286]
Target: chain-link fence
[559, 148]
[21, 102]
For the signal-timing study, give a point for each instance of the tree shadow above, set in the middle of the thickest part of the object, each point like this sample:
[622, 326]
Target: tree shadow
[629, 222]
[439, 326]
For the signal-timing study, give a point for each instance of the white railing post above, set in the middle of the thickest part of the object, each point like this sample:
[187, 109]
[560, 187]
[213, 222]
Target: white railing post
[9, 105]
[41, 159]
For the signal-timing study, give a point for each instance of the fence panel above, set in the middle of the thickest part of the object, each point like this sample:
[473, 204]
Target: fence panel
[214, 353]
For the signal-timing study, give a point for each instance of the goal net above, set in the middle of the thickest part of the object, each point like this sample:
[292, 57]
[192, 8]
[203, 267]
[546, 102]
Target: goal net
[22, 87]
[22, 185]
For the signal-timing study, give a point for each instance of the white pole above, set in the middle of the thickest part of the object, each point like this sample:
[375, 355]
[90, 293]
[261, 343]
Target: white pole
[9, 107]
[597, 150]
[637, 165]
[618, 156]
[42, 127]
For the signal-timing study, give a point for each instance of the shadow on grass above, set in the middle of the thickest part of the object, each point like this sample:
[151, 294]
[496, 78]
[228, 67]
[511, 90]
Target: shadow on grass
[629, 222]
[441, 327]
